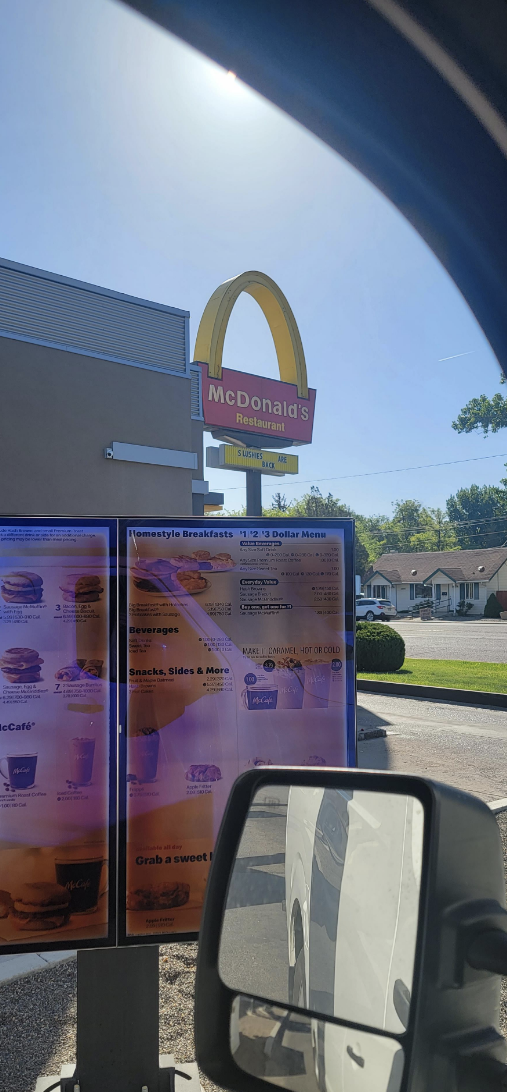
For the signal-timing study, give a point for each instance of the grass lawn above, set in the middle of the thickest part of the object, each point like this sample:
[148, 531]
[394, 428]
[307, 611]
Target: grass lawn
[462, 674]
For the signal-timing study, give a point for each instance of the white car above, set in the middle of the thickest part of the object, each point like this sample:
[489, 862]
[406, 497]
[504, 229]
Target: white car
[388, 608]
[352, 879]
[368, 609]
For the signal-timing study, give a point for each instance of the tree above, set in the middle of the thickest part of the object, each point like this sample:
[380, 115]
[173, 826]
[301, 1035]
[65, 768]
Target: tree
[479, 514]
[490, 414]
[493, 607]
[411, 528]
[313, 504]
[280, 503]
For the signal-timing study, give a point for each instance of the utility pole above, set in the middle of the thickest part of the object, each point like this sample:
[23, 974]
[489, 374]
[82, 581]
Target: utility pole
[253, 493]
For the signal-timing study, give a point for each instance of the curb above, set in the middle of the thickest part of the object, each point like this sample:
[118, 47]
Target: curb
[498, 806]
[371, 733]
[438, 693]
[17, 966]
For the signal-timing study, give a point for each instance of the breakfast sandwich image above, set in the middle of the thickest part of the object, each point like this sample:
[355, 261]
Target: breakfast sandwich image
[39, 906]
[81, 588]
[21, 587]
[21, 665]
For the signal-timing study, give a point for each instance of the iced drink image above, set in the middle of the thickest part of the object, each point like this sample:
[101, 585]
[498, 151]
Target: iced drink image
[82, 751]
[316, 686]
[20, 770]
[290, 688]
[78, 870]
[144, 755]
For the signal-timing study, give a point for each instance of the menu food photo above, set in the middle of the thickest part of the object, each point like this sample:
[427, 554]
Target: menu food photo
[57, 717]
[237, 652]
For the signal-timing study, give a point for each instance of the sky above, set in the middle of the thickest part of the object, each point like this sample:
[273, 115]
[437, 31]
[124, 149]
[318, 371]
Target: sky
[131, 161]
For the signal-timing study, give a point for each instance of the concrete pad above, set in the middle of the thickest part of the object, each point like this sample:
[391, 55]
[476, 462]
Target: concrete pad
[43, 1083]
[498, 806]
[16, 966]
[191, 1068]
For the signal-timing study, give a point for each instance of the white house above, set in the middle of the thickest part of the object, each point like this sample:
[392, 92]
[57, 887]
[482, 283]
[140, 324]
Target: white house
[445, 576]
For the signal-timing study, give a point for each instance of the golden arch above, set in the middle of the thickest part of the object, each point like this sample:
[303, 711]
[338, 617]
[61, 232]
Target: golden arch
[213, 325]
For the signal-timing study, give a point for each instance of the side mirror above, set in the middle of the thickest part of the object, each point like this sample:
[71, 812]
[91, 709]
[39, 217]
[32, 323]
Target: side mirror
[352, 938]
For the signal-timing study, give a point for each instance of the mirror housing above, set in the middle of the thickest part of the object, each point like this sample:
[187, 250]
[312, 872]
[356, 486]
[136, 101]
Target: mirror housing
[452, 1040]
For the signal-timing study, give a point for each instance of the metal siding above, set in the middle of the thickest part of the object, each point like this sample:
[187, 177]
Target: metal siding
[195, 394]
[41, 309]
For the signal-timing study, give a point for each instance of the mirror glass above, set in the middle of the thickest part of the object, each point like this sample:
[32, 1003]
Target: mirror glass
[323, 904]
[306, 1054]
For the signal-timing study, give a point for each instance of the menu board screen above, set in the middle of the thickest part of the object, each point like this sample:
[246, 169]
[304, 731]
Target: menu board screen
[238, 652]
[57, 738]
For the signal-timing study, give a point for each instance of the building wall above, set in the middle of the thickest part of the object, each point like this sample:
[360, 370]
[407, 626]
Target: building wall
[61, 410]
[499, 580]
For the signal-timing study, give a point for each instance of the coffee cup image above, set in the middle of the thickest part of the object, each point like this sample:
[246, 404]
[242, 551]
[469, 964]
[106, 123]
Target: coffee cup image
[316, 686]
[260, 697]
[78, 870]
[82, 750]
[143, 754]
[290, 688]
[20, 770]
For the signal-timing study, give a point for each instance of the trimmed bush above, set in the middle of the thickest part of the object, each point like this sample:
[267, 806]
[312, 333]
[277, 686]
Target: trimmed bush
[492, 608]
[378, 647]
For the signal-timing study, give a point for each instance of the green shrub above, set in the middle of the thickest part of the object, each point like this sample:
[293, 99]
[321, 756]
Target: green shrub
[463, 607]
[492, 608]
[378, 647]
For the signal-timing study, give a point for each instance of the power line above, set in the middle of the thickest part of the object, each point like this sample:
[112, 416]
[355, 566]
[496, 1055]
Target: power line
[375, 473]
[442, 527]
[480, 534]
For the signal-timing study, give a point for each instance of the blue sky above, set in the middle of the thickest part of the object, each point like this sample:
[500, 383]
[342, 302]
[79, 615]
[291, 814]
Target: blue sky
[130, 161]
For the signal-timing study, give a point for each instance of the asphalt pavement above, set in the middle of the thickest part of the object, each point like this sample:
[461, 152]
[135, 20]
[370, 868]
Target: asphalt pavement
[254, 951]
[482, 641]
[459, 744]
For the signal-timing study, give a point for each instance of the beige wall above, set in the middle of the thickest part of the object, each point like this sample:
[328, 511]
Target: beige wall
[499, 581]
[60, 410]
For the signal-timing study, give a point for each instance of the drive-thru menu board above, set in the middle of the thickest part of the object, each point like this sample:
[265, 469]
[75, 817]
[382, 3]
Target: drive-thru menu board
[57, 706]
[239, 652]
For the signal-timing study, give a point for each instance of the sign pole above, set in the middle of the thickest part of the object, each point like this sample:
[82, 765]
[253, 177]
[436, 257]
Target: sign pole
[253, 493]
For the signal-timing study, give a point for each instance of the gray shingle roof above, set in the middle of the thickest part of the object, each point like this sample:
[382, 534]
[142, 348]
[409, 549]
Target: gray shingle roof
[457, 564]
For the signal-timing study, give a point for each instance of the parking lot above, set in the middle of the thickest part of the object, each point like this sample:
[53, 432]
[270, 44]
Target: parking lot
[481, 641]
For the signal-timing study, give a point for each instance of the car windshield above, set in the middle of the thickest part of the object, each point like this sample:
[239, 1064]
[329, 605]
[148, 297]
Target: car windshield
[139, 178]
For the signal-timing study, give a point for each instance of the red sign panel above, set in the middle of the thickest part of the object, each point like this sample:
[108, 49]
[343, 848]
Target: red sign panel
[252, 403]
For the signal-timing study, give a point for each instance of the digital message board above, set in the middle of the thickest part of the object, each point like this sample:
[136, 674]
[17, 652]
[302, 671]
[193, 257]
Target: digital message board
[57, 733]
[237, 645]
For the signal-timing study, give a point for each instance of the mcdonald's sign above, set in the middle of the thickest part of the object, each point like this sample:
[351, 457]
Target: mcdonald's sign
[283, 409]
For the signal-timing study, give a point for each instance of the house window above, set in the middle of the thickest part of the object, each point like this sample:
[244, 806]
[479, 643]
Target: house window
[438, 592]
[423, 591]
[368, 590]
[412, 591]
[469, 591]
[380, 591]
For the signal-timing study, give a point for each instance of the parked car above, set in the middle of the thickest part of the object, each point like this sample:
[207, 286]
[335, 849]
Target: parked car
[368, 609]
[388, 608]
